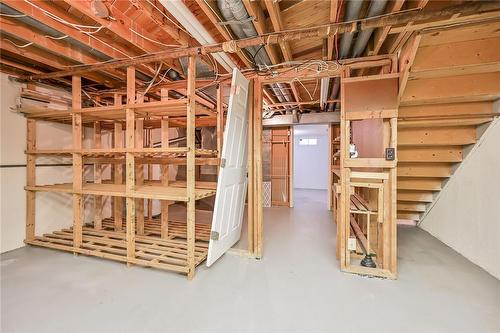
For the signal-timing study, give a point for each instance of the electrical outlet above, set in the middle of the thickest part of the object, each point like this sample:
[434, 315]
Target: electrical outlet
[351, 244]
[390, 154]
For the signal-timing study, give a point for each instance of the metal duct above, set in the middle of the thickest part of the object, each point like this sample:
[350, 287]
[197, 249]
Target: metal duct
[376, 8]
[48, 31]
[235, 11]
[352, 13]
[179, 10]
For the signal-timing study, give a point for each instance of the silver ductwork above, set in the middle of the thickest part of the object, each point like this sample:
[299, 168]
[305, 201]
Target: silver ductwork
[352, 13]
[235, 11]
[376, 8]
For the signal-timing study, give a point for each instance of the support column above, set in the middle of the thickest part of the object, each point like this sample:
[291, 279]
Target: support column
[164, 168]
[258, 214]
[77, 162]
[251, 173]
[118, 171]
[190, 165]
[130, 165]
[30, 179]
[139, 143]
[97, 178]
[220, 119]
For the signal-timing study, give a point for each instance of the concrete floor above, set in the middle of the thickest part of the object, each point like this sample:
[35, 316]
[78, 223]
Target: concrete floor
[297, 287]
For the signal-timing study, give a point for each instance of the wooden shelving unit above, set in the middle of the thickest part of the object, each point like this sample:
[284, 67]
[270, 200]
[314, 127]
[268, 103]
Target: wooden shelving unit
[136, 238]
[366, 190]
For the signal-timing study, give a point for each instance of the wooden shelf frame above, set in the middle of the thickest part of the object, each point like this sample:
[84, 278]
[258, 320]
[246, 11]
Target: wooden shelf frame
[370, 171]
[134, 238]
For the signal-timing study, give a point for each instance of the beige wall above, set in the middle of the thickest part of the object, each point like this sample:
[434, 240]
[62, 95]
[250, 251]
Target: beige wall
[466, 216]
[53, 210]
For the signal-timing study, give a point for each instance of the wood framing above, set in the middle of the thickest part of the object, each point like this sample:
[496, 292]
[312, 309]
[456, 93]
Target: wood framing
[136, 240]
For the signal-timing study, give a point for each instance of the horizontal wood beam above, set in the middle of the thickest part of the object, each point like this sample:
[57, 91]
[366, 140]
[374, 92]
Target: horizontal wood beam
[408, 216]
[424, 169]
[417, 196]
[314, 32]
[464, 88]
[59, 47]
[425, 184]
[411, 207]
[100, 43]
[430, 154]
[466, 57]
[445, 136]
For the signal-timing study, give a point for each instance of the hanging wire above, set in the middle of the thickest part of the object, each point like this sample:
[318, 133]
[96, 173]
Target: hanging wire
[152, 40]
[17, 45]
[13, 15]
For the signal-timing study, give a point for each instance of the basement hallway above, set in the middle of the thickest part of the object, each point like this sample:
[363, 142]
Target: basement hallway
[296, 287]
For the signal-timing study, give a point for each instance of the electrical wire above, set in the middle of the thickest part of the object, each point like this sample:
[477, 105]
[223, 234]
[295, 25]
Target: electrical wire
[152, 40]
[13, 15]
[168, 18]
[56, 38]
[17, 45]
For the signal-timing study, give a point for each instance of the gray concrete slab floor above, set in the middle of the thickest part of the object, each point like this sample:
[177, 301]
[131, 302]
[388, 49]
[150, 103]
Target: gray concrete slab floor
[296, 287]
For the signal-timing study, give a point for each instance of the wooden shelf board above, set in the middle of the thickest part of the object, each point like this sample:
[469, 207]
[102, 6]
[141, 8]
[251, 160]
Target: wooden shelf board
[171, 108]
[176, 229]
[176, 151]
[154, 252]
[118, 190]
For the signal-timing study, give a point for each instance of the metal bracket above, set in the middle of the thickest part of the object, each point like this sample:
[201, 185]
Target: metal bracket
[223, 163]
[214, 235]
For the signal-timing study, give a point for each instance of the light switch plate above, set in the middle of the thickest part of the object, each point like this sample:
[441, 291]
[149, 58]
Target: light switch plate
[351, 244]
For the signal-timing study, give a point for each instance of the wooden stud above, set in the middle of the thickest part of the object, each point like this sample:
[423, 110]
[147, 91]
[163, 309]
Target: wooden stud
[30, 179]
[258, 212]
[77, 162]
[139, 170]
[190, 165]
[118, 169]
[164, 169]
[251, 173]
[98, 204]
[130, 166]
[220, 119]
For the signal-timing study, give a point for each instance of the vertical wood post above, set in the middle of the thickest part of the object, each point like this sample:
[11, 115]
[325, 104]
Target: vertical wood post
[220, 119]
[130, 165]
[258, 213]
[118, 170]
[97, 178]
[251, 173]
[30, 179]
[164, 170]
[139, 169]
[190, 165]
[77, 162]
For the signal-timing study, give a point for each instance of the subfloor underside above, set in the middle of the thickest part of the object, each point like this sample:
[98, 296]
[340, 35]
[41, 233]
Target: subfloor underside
[296, 287]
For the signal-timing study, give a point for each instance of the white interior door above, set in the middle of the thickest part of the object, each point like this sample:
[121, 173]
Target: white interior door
[232, 182]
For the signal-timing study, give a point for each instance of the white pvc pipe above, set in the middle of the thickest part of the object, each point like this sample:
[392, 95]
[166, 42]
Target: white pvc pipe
[189, 21]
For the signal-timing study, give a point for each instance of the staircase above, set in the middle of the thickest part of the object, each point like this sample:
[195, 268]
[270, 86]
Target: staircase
[452, 83]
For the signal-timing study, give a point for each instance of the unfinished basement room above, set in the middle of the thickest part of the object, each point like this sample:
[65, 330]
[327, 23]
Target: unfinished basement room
[293, 165]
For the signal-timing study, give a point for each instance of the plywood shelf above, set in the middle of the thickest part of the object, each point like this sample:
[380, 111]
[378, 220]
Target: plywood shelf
[107, 152]
[168, 254]
[147, 191]
[176, 229]
[169, 108]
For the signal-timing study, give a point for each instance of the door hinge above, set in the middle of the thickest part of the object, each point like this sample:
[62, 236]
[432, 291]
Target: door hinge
[223, 163]
[214, 235]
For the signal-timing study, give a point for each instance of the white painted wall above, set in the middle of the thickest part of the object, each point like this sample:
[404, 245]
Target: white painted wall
[53, 210]
[311, 162]
[466, 215]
